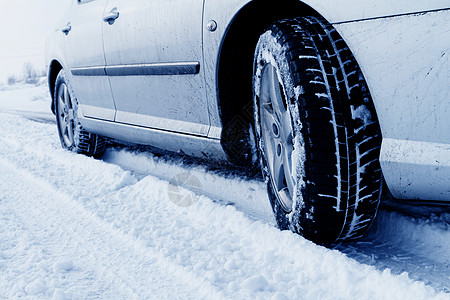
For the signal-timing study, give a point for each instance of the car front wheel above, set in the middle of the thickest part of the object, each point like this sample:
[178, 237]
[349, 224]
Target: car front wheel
[317, 131]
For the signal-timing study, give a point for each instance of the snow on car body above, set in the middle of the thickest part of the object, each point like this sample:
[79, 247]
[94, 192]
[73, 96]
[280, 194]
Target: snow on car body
[178, 75]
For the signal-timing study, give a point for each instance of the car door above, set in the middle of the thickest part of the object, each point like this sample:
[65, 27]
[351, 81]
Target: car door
[153, 51]
[86, 61]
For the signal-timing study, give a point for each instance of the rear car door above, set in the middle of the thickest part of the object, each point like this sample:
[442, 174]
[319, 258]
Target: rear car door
[153, 50]
[86, 60]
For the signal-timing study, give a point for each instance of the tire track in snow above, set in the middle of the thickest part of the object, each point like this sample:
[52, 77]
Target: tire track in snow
[150, 274]
[221, 186]
[39, 117]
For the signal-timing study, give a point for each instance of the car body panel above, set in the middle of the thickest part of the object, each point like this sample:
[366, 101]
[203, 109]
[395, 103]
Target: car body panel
[202, 147]
[406, 64]
[154, 101]
[416, 170]
[390, 39]
[84, 49]
[351, 10]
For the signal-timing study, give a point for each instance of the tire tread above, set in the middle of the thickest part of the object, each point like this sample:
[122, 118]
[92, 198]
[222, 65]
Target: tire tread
[321, 64]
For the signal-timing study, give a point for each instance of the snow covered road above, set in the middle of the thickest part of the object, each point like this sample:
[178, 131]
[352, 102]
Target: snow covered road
[136, 225]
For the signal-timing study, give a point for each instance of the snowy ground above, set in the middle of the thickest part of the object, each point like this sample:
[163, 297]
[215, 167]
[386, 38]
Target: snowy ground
[137, 225]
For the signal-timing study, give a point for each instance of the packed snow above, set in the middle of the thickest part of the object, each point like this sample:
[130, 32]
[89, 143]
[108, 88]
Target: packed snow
[136, 224]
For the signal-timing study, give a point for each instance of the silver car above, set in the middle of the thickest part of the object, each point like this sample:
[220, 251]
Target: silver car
[327, 97]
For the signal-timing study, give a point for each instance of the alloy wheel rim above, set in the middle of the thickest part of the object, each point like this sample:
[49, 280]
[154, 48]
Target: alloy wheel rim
[65, 115]
[277, 136]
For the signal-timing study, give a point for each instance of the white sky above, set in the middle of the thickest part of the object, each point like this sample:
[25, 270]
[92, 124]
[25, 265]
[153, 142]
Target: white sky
[24, 25]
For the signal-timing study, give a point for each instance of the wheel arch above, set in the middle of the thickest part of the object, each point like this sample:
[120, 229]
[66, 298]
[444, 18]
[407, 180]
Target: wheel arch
[235, 68]
[53, 71]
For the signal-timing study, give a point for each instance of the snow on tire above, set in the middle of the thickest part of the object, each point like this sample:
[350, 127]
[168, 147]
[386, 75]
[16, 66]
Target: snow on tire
[317, 131]
[73, 137]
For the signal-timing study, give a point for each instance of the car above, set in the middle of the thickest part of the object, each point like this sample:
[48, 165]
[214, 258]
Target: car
[329, 98]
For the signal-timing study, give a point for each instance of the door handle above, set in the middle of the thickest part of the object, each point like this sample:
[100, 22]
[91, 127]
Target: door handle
[66, 29]
[111, 17]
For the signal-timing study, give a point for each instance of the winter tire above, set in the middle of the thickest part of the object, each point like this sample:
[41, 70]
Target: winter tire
[317, 131]
[73, 137]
